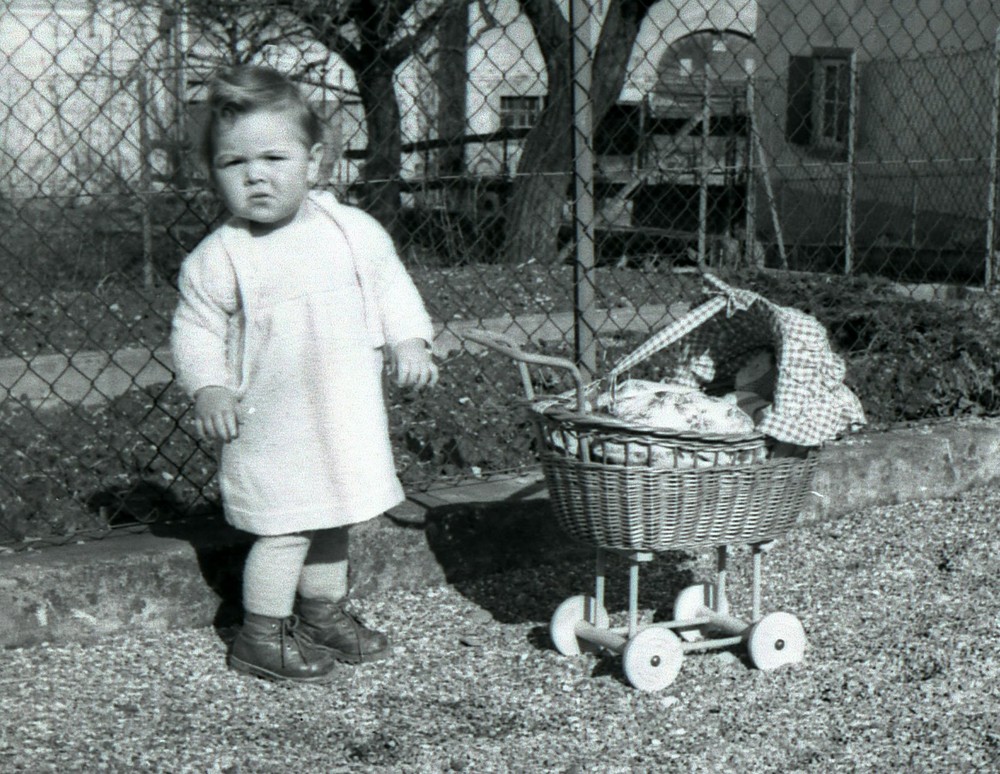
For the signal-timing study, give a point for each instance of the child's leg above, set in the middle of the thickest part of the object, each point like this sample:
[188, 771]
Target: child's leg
[323, 588]
[271, 572]
[325, 569]
[269, 644]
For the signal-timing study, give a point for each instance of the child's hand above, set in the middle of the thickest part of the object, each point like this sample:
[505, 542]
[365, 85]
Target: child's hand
[215, 416]
[412, 364]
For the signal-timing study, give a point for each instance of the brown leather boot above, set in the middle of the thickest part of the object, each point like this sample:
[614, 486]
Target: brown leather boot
[275, 649]
[340, 632]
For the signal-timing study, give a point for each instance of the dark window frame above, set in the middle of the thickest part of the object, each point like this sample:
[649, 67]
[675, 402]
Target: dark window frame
[520, 111]
[821, 93]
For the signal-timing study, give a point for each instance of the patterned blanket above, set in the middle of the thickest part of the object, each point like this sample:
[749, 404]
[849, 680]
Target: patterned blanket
[810, 405]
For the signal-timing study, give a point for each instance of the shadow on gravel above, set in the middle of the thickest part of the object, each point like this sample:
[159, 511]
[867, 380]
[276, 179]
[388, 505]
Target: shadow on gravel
[221, 551]
[512, 559]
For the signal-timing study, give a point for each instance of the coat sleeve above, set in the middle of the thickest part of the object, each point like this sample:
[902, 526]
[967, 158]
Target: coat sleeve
[203, 322]
[401, 310]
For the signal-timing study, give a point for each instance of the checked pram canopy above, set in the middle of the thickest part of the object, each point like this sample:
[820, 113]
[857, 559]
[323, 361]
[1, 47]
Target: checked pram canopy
[811, 404]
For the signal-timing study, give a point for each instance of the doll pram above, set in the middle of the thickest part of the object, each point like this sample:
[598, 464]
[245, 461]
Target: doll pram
[678, 490]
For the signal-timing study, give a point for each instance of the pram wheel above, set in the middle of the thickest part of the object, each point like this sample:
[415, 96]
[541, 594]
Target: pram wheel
[776, 639]
[652, 659]
[689, 604]
[562, 627]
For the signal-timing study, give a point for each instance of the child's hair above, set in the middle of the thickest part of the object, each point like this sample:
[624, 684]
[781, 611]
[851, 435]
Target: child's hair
[240, 90]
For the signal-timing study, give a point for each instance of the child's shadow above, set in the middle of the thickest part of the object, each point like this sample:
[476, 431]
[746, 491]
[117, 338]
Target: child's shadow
[220, 550]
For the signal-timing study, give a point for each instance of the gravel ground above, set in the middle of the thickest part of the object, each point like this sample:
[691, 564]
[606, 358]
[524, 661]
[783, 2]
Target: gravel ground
[901, 674]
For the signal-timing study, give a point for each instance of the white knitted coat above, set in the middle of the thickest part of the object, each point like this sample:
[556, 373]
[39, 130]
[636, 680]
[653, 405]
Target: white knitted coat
[293, 324]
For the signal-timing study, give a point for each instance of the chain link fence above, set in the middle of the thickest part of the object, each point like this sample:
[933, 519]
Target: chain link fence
[555, 169]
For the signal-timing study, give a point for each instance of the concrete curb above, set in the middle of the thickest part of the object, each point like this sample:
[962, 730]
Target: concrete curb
[188, 575]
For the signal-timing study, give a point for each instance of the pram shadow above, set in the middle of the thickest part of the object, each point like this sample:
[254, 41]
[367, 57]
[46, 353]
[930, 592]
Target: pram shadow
[512, 559]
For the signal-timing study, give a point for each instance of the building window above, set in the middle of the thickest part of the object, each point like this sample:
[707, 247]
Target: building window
[820, 95]
[832, 102]
[519, 112]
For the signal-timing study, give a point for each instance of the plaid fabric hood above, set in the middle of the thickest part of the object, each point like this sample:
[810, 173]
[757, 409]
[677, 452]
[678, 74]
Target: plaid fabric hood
[811, 404]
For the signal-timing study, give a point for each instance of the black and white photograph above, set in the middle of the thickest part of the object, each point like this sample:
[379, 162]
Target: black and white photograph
[488, 386]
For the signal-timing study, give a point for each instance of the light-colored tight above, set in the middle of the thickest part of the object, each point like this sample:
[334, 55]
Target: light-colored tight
[312, 563]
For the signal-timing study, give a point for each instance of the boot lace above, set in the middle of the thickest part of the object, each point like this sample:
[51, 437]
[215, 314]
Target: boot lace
[291, 636]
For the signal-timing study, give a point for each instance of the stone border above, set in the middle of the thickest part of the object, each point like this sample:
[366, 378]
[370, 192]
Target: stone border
[188, 575]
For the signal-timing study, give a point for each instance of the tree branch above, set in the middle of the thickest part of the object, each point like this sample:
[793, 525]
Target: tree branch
[408, 46]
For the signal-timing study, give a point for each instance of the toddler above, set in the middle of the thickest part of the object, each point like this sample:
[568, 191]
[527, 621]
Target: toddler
[278, 336]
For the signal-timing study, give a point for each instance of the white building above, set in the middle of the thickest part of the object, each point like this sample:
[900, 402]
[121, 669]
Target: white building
[75, 73]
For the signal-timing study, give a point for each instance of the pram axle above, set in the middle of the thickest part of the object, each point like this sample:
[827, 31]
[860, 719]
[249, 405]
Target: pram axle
[652, 655]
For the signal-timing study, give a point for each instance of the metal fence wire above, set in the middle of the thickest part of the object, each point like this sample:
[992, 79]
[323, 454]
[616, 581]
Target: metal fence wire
[555, 167]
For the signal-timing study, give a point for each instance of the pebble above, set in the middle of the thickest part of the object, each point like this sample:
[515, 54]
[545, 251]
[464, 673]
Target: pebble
[168, 703]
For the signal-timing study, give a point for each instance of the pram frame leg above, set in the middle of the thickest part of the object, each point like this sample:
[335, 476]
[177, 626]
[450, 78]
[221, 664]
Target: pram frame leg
[633, 599]
[757, 605]
[721, 601]
[600, 574]
[635, 560]
[755, 599]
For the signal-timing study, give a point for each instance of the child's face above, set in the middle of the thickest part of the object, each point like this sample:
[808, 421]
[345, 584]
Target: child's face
[263, 167]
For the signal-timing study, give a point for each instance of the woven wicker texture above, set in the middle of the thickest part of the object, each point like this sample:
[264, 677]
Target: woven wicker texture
[658, 509]
[594, 438]
[618, 486]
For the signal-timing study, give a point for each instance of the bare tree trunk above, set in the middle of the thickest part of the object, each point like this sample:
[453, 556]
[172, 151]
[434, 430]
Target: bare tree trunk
[145, 178]
[539, 194]
[451, 78]
[534, 211]
[381, 171]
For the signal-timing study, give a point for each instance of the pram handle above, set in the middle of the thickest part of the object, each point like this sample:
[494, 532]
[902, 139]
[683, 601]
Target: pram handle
[506, 345]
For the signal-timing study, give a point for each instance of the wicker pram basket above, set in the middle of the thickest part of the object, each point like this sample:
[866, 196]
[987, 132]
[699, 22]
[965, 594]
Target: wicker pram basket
[618, 486]
[658, 509]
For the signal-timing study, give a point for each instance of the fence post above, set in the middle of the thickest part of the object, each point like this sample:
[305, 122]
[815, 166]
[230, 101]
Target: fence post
[992, 258]
[706, 120]
[849, 183]
[145, 177]
[581, 26]
[750, 200]
[178, 56]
